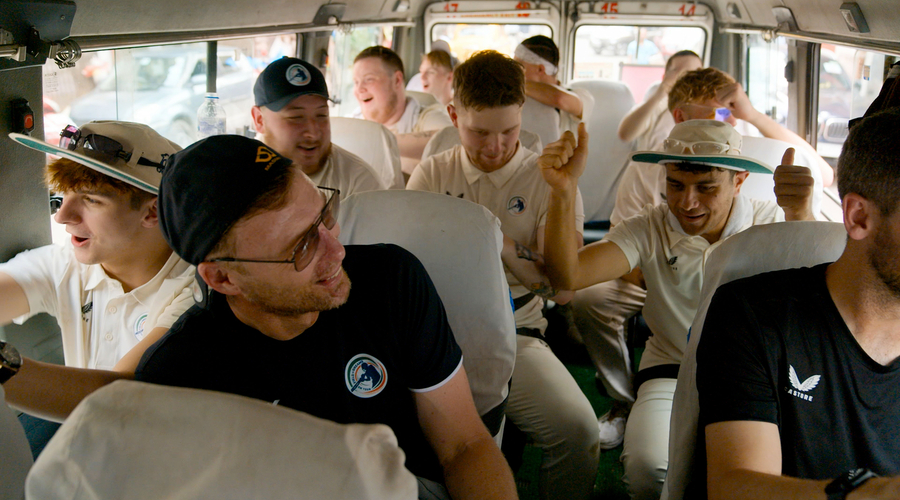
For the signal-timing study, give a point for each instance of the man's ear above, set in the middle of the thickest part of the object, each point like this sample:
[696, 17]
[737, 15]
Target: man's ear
[859, 215]
[451, 110]
[150, 217]
[678, 115]
[739, 178]
[218, 278]
[399, 80]
[258, 121]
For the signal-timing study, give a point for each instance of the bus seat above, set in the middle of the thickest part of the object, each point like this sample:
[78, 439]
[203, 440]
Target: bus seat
[770, 151]
[759, 249]
[423, 98]
[541, 119]
[372, 142]
[137, 440]
[449, 136]
[16, 453]
[415, 83]
[607, 155]
[459, 244]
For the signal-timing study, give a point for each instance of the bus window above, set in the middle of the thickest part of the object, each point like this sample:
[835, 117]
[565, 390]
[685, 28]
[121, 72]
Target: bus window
[767, 87]
[849, 80]
[466, 39]
[634, 55]
[161, 86]
[342, 48]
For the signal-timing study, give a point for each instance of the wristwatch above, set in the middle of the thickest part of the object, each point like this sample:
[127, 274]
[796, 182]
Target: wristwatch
[10, 361]
[847, 482]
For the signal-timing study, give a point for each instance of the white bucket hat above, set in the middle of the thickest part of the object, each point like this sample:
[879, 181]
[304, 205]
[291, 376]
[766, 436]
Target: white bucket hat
[704, 142]
[138, 162]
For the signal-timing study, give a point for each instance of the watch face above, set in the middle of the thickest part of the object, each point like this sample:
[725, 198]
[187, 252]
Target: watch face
[9, 355]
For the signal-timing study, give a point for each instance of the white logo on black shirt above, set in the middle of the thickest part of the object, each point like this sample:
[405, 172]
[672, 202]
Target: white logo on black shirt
[801, 388]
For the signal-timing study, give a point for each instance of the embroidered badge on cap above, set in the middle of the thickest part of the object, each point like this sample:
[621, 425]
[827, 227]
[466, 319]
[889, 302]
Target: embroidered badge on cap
[516, 205]
[266, 155]
[365, 376]
[139, 327]
[297, 75]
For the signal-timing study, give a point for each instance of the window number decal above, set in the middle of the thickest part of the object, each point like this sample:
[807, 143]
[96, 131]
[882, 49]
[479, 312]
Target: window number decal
[523, 5]
[451, 7]
[685, 11]
[610, 8]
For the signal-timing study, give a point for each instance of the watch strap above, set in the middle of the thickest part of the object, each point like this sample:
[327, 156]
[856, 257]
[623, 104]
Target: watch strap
[841, 486]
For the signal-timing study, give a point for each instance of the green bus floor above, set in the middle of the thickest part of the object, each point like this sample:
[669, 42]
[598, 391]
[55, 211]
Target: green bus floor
[608, 485]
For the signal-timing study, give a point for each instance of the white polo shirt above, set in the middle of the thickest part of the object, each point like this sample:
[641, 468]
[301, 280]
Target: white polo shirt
[98, 320]
[570, 122]
[345, 171]
[672, 262]
[642, 184]
[417, 118]
[516, 193]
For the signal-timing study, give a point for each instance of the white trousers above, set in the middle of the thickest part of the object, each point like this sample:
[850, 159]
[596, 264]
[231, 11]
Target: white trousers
[646, 451]
[601, 312]
[546, 403]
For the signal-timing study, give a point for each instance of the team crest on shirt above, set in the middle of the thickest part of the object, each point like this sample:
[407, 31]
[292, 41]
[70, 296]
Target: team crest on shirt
[800, 389]
[516, 205]
[139, 326]
[365, 376]
[297, 75]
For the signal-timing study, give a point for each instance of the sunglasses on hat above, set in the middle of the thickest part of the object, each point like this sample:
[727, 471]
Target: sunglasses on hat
[72, 137]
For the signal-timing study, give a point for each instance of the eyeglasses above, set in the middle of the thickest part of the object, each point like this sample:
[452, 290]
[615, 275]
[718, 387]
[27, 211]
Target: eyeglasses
[71, 137]
[698, 148]
[306, 248]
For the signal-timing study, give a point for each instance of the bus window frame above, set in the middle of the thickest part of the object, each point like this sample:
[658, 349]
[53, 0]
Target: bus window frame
[641, 15]
[502, 13]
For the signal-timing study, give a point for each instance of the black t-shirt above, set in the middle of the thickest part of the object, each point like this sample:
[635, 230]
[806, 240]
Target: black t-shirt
[775, 349]
[358, 363]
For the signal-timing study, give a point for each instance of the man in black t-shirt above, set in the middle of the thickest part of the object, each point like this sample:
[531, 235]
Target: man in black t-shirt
[798, 371]
[279, 322]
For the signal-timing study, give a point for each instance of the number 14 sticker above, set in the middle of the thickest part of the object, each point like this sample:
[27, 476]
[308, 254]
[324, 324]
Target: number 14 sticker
[687, 11]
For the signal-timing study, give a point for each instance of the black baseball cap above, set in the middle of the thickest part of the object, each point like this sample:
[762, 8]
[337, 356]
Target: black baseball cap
[209, 186]
[286, 79]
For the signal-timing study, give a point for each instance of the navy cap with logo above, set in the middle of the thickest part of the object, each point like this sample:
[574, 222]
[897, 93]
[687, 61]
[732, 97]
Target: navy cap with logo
[286, 79]
[209, 186]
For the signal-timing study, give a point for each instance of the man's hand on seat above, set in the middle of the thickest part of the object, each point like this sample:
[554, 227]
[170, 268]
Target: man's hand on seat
[794, 188]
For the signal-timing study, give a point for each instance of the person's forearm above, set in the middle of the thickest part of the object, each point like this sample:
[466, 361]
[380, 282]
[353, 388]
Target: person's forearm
[51, 391]
[638, 119]
[560, 248]
[751, 485]
[413, 145]
[525, 264]
[771, 129]
[479, 471]
[554, 97]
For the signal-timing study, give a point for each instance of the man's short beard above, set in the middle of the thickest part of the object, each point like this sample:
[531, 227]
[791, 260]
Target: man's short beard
[884, 257]
[279, 303]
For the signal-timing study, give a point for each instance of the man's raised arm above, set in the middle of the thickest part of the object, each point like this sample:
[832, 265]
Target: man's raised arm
[561, 164]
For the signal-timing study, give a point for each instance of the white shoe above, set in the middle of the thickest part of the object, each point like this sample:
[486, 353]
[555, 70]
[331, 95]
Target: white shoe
[612, 430]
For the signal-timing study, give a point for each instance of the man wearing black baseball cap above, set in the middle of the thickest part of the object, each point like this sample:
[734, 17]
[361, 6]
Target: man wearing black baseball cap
[280, 324]
[291, 116]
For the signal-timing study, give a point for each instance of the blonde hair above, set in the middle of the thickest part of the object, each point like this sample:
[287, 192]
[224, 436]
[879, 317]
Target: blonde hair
[698, 86]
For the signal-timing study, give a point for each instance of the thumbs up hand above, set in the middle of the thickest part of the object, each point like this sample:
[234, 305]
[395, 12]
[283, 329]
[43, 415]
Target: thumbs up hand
[794, 186]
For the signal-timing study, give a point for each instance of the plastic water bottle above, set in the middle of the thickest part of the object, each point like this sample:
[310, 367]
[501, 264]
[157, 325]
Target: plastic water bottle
[210, 117]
